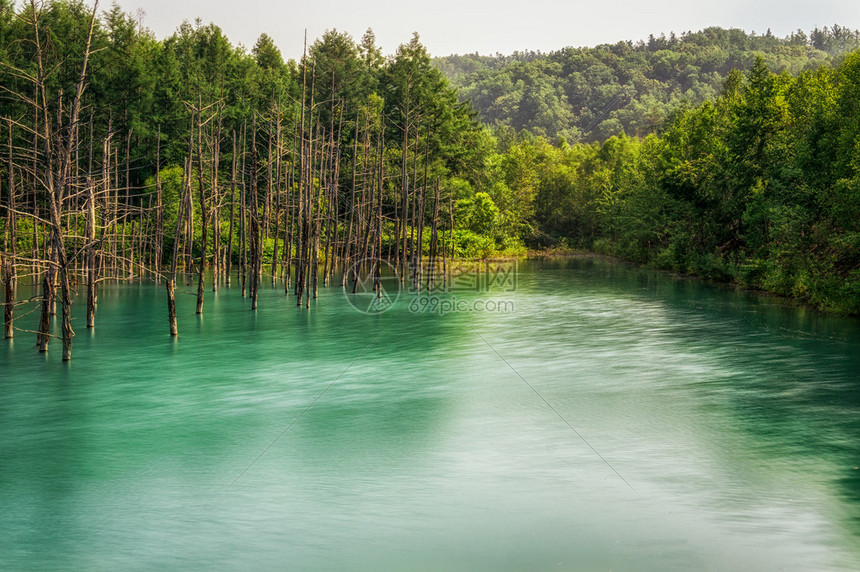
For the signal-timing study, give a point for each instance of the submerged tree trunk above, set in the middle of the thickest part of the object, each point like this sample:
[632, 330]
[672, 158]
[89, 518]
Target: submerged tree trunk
[204, 220]
[256, 254]
[170, 283]
[10, 278]
[43, 331]
[171, 305]
[91, 255]
[9, 313]
[243, 227]
[68, 333]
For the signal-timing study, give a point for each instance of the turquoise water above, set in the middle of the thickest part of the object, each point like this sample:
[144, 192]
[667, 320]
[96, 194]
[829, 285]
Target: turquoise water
[601, 417]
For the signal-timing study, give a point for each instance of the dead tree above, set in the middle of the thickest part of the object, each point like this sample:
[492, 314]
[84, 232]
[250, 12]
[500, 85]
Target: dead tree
[203, 212]
[11, 236]
[232, 212]
[57, 152]
[256, 255]
[170, 283]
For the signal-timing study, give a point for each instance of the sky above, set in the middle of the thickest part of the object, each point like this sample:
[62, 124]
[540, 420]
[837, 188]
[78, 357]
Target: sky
[487, 26]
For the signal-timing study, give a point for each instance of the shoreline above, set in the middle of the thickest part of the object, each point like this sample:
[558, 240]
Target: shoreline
[781, 299]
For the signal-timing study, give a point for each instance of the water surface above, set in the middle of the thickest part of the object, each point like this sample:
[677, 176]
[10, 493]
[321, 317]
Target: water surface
[613, 418]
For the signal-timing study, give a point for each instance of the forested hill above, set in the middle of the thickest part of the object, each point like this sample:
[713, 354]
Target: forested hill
[588, 94]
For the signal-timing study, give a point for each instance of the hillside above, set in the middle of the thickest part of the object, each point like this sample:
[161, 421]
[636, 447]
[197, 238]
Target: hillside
[590, 94]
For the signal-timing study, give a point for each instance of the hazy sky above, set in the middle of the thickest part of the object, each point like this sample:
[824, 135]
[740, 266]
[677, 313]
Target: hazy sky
[488, 26]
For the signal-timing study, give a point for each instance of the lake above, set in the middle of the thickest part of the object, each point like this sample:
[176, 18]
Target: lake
[569, 414]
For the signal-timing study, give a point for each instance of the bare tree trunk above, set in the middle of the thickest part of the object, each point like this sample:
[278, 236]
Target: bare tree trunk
[267, 203]
[127, 252]
[377, 280]
[368, 229]
[243, 227]
[43, 331]
[189, 211]
[10, 276]
[331, 234]
[317, 219]
[9, 313]
[171, 305]
[307, 188]
[421, 214]
[413, 210]
[288, 218]
[68, 333]
[159, 207]
[347, 247]
[216, 209]
[329, 194]
[35, 241]
[56, 180]
[204, 222]
[256, 254]
[146, 241]
[170, 284]
[232, 212]
[277, 190]
[434, 239]
[404, 190]
[105, 213]
[91, 254]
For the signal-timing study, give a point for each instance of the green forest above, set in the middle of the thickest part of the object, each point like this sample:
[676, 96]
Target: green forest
[590, 94]
[722, 154]
[729, 156]
[760, 187]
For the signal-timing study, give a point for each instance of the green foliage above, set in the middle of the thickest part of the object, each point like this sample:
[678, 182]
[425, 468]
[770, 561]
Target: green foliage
[760, 187]
[171, 191]
[344, 81]
[483, 214]
[592, 94]
[468, 244]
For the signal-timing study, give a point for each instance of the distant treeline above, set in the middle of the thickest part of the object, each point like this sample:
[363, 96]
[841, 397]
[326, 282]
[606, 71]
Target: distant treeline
[589, 94]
